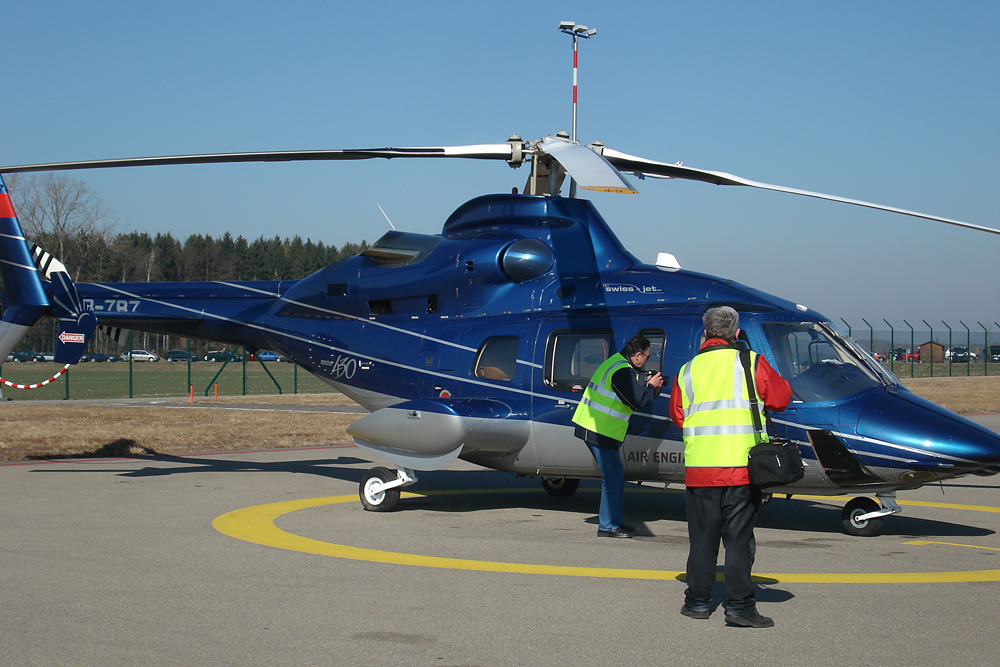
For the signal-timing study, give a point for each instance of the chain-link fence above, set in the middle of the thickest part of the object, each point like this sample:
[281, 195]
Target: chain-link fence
[237, 375]
[925, 348]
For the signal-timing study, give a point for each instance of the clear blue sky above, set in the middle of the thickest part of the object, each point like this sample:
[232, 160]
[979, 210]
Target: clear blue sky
[893, 102]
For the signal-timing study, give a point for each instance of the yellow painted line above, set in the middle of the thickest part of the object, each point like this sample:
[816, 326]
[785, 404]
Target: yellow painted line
[256, 525]
[920, 543]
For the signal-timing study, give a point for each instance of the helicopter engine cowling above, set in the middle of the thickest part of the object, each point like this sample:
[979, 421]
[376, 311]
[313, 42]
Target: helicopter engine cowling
[430, 434]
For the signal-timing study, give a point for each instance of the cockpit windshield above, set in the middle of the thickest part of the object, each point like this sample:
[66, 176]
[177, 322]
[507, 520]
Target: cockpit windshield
[820, 363]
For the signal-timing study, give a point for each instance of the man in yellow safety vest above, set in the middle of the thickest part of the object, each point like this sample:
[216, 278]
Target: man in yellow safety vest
[601, 419]
[709, 402]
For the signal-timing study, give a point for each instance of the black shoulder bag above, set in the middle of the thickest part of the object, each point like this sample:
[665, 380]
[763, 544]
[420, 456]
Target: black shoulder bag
[773, 463]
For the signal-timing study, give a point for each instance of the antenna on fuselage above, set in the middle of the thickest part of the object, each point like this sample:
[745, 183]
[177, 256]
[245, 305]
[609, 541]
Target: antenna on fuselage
[386, 217]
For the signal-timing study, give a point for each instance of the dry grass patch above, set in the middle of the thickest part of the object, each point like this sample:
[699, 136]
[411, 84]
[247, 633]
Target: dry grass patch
[964, 395]
[57, 431]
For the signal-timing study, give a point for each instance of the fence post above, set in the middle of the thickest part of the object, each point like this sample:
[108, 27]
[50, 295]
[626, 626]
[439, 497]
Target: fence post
[986, 349]
[871, 337]
[911, 346]
[892, 346]
[950, 360]
[968, 346]
[130, 333]
[848, 327]
[931, 347]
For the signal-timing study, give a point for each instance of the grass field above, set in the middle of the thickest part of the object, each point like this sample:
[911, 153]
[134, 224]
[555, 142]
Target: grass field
[905, 370]
[111, 380]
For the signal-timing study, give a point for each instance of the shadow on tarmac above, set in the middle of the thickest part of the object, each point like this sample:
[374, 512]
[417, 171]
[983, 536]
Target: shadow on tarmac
[455, 491]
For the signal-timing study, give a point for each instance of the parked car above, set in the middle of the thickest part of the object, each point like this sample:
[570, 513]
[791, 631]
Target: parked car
[97, 356]
[181, 355]
[140, 355]
[24, 355]
[957, 355]
[994, 353]
[218, 355]
[46, 356]
[269, 355]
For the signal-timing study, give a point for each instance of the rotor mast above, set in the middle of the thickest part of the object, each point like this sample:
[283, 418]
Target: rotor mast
[576, 32]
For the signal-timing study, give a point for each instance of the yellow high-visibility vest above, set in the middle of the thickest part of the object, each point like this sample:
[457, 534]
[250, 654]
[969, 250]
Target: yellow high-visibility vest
[718, 424]
[601, 411]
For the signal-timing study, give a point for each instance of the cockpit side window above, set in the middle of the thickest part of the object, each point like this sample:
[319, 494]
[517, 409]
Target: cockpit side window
[657, 343]
[572, 357]
[819, 363]
[497, 358]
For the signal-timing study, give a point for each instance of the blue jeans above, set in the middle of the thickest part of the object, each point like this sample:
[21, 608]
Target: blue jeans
[612, 487]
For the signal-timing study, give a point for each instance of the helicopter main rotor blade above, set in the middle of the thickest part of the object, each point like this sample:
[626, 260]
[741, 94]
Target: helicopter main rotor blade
[476, 152]
[632, 164]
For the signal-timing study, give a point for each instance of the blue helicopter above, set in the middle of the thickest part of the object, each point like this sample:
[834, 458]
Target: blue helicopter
[476, 343]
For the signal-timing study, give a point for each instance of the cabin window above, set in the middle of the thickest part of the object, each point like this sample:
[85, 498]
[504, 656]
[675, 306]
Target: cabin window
[497, 358]
[380, 307]
[572, 357]
[401, 248]
[657, 343]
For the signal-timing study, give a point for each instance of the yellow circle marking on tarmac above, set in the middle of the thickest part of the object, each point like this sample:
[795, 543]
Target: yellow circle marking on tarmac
[256, 524]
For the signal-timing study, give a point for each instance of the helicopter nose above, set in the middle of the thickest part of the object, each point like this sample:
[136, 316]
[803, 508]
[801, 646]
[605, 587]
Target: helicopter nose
[921, 434]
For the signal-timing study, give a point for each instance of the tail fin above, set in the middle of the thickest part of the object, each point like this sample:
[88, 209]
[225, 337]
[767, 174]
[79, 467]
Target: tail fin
[26, 299]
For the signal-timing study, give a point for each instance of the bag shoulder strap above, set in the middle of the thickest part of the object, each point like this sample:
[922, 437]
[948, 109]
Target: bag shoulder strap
[751, 392]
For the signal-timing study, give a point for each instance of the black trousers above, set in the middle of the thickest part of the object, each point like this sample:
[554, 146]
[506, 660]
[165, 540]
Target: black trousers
[727, 514]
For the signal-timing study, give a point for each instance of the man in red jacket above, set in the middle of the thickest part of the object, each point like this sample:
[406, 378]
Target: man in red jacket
[709, 403]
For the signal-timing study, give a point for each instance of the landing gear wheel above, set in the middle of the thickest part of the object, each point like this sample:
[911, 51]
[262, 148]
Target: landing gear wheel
[373, 497]
[861, 528]
[560, 487]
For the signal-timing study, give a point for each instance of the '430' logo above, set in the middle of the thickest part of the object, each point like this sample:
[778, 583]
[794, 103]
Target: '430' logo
[342, 367]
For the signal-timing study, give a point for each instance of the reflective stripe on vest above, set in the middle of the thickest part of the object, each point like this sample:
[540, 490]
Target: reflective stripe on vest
[600, 410]
[718, 426]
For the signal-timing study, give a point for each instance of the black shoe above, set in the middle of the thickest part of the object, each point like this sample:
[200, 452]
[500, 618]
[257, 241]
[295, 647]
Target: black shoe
[627, 528]
[692, 612]
[749, 620]
[615, 532]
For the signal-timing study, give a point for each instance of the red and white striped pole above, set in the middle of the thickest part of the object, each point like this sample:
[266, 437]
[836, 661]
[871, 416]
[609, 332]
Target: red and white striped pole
[576, 56]
[576, 31]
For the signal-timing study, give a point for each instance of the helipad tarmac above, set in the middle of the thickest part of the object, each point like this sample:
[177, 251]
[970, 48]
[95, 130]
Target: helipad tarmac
[267, 558]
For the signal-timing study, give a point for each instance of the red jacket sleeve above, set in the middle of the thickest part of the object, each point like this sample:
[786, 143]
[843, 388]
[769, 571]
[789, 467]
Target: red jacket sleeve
[676, 408]
[773, 389]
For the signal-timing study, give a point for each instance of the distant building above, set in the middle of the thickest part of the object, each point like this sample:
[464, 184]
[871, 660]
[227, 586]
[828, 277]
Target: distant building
[932, 351]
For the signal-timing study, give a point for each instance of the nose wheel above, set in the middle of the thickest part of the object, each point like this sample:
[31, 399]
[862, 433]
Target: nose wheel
[379, 488]
[862, 517]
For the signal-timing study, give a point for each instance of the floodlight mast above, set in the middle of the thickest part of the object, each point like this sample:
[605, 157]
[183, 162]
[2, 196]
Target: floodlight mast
[576, 32]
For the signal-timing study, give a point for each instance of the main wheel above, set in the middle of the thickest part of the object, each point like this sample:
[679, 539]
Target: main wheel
[861, 528]
[373, 497]
[561, 487]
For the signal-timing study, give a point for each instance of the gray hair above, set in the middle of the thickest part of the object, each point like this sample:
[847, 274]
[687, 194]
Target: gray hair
[721, 322]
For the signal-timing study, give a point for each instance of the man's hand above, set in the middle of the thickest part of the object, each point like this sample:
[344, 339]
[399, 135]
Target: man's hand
[655, 380]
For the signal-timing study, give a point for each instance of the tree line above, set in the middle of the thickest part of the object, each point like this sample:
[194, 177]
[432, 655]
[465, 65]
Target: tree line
[139, 257]
[66, 218]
